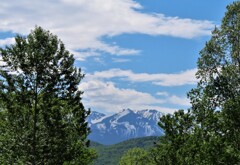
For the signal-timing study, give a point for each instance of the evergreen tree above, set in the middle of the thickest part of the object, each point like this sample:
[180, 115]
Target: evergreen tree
[42, 116]
[213, 134]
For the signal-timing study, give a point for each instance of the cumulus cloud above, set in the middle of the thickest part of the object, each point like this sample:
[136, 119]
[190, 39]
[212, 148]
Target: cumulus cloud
[82, 24]
[163, 79]
[173, 99]
[102, 94]
[6, 41]
[105, 96]
[183, 101]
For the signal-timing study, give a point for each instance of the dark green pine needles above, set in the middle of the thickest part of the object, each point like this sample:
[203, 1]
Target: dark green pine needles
[42, 118]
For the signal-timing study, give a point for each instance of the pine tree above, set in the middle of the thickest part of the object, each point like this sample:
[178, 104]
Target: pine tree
[42, 116]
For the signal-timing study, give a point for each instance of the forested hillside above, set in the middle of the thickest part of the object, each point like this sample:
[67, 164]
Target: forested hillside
[110, 155]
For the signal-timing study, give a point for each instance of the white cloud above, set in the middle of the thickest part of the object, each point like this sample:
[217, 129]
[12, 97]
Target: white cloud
[105, 96]
[174, 79]
[173, 99]
[99, 60]
[120, 60]
[183, 101]
[80, 56]
[162, 93]
[82, 24]
[6, 41]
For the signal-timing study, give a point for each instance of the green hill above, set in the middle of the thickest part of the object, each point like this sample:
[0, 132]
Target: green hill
[110, 155]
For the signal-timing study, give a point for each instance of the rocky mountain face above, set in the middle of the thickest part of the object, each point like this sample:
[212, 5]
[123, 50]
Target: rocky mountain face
[124, 125]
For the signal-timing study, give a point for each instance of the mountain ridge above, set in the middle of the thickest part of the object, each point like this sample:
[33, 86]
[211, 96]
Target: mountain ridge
[124, 125]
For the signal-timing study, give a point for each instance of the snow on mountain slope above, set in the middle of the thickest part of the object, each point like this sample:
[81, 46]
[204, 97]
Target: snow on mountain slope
[124, 125]
[95, 117]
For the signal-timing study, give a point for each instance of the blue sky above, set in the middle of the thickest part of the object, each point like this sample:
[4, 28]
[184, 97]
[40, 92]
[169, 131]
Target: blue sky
[138, 54]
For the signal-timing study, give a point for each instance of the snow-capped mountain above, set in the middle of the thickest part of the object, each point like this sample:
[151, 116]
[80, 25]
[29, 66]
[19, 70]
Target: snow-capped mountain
[124, 125]
[94, 117]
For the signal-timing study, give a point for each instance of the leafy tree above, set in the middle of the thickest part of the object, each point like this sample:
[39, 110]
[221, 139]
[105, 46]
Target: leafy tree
[171, 148]
[215, 99]
[136, 156]
[41, 114]
[213, 136]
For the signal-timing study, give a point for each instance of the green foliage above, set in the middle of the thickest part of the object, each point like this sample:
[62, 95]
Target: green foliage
[109, 155]
[172, 146]
[136, 156]
[42, 117]
[209, 132]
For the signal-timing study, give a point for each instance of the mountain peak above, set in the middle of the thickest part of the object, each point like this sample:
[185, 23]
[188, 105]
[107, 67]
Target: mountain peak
[124, 125]
[95, 117]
